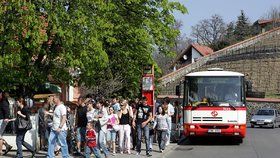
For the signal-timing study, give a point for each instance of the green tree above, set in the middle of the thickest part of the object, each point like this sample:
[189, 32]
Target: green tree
[229, 36]
[82, 41]
[181, 42]
[243, 29]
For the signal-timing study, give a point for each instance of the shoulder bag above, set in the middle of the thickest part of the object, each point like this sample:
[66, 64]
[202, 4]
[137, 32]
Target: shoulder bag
[23, 124]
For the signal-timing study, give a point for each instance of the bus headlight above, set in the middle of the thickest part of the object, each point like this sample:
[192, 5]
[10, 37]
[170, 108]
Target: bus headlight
[236, 127]
[192, 126]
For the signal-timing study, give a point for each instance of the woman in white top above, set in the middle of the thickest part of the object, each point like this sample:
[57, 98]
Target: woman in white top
[90, 112]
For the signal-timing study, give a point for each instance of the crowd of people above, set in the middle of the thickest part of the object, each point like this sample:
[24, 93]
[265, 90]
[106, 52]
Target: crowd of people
[95, 126]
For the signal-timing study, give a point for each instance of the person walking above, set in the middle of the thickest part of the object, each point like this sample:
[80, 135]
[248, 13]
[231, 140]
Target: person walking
[90, 112]
[23, 113]
[116, 105]
[169, 110]
[43, 125]
[161, 122]
[113, 121]
[59, 129]
[133, 105]
[125, 116]
[101, 119]
[4, 120]
[81, 123]
[91, 145]
[140, 122]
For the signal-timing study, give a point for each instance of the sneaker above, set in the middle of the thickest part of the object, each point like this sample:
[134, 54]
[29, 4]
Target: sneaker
[148, 155]
[161, 150]
[56, 152]
[121, 152]
[33, 154]
[138, 153]
[114, 153]
[8, 148]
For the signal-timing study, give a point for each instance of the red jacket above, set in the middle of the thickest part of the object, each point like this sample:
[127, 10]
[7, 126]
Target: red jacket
[91, 138]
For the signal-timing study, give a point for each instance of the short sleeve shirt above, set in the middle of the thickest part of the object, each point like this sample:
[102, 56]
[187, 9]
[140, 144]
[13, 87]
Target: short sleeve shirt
[82, 116]
[90, 115]
[143, 113]
[116, 107]
[59, 111]
[171, 109]
[112, 120]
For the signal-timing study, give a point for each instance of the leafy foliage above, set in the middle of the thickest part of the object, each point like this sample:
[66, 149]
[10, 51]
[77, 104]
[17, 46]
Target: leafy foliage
[82, 41]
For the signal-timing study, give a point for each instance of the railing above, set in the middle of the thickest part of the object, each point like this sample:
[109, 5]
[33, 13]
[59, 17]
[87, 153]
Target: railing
[264, 42]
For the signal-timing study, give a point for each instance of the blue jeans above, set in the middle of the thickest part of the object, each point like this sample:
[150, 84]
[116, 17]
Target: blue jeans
[3, 125]
[169, 122]
[139, 137]
[20, 141]
[111, 135]
[162, 139]
[95, 151]
[59, 138]
[101, 136]
[81, 134]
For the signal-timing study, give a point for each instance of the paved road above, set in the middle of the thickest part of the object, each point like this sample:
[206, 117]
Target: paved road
[259, 143]
[155, 153]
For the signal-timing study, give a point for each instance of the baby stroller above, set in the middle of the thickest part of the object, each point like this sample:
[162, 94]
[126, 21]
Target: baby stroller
[71, 140]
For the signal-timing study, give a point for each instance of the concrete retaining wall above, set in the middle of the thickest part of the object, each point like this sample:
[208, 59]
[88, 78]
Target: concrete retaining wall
[252, 107]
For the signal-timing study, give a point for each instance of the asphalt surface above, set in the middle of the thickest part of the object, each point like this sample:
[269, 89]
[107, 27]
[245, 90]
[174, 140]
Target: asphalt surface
[155, 153]
[259, 143]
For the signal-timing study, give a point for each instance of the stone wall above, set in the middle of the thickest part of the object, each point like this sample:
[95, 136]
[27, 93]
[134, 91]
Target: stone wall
[252, 107]
[262, 71]
[258, 58]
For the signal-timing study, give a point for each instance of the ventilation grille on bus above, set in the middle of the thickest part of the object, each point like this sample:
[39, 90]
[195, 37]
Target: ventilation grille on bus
[216, 119]
[214, 127]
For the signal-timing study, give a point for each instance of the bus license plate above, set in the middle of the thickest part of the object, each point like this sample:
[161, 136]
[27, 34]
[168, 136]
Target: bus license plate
[214, 130]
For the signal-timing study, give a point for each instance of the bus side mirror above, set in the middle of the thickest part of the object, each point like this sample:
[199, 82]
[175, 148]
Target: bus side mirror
[178, 90]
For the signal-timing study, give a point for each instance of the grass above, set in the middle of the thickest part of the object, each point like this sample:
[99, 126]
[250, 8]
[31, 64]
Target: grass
[273, 95]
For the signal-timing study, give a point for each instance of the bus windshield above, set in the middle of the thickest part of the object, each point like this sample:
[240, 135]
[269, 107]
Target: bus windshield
[215, 90]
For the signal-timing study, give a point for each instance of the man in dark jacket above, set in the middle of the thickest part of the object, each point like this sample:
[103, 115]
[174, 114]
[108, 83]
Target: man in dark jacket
[81, 122]
[4, 119]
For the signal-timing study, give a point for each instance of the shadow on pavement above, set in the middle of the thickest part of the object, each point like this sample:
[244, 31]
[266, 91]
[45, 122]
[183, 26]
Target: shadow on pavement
[208, 141]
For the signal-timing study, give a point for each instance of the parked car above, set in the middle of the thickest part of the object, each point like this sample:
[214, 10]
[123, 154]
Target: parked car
[266, 117]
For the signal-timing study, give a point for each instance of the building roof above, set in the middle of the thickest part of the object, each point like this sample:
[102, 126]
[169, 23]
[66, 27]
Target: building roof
[203, 50]
[266, 21]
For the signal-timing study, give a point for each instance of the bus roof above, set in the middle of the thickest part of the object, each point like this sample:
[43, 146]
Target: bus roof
[215, 73]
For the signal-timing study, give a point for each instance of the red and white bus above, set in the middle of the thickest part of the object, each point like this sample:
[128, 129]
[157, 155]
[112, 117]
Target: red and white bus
[215, 104]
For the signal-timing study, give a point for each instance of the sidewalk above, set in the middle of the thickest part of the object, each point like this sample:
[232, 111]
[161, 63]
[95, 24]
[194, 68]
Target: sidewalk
[155, 153]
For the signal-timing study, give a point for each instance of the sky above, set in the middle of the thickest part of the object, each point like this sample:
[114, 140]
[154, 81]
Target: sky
[228, 9]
